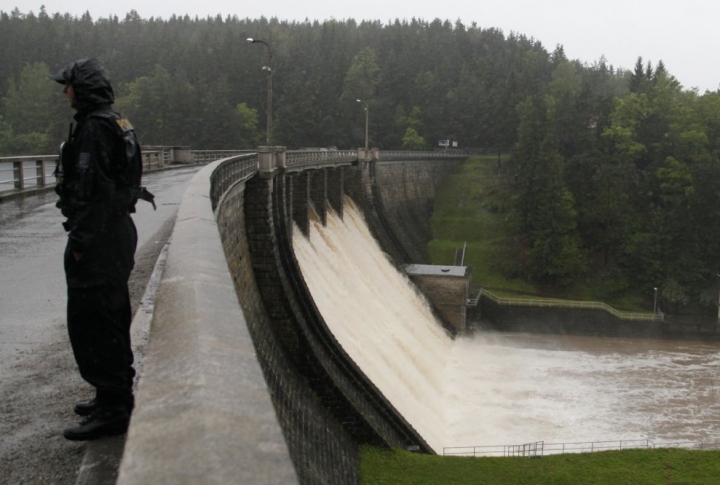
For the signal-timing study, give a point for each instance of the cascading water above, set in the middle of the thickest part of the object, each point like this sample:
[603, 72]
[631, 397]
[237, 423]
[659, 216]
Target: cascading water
[378, 317]
[500, 389]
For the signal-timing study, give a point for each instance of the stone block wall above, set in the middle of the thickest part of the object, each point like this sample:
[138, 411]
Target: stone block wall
[406, 191]
[397, 199]
[448, 295]
[561, 321]
[322, 450]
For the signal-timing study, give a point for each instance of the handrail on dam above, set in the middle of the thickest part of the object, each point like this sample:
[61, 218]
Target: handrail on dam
[591, 305]
[390, 155]
[161, 156]
[299, 157]
[230, 171]
[271, 159]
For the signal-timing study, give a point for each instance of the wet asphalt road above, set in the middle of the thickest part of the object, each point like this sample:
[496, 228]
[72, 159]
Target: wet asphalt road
[32, 241]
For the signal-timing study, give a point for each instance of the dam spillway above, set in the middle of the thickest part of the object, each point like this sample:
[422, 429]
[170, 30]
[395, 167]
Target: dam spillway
[378, 317]
[500, 389]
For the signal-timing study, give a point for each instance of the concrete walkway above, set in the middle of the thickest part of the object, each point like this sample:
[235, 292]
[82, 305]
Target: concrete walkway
[32, 291]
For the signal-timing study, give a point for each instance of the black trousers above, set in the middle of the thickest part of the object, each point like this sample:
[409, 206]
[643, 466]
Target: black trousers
[98, 319]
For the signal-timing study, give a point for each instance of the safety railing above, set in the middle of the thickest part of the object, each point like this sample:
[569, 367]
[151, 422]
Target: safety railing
[390, 155]
[540, 448]
[207, 156]
[229, 172]
[16, 169]
[591, 305]
[473, 301]
[300, 157]
[153, 159]
[27, 172]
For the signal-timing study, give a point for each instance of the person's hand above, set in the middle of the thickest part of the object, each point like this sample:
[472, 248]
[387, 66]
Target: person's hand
[77, 256]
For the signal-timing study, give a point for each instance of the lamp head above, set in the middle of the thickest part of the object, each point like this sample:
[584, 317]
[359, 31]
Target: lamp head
[250, 40]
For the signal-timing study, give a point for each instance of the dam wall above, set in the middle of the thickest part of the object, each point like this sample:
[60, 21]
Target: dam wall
[397, 198]
[243, 382]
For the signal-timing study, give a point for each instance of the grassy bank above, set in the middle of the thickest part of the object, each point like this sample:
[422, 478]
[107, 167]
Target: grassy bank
[470, 208]
[637, 467]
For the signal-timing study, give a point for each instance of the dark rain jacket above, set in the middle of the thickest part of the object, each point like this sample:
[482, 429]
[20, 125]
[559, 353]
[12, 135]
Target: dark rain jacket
[91, 197]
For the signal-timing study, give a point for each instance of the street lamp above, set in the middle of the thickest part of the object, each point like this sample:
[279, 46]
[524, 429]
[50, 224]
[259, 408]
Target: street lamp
[267, 68]
[655, 303]
[367, 117]
[718, 275]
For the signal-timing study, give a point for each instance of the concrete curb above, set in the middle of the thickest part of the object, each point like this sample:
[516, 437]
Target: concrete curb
[203, 411]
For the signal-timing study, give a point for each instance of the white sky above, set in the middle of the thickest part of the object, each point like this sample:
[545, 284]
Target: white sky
[684, 35]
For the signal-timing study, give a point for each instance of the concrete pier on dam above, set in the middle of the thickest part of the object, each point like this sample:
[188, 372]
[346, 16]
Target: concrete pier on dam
[243, 382]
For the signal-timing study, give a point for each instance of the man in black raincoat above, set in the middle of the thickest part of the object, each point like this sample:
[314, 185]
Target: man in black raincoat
[97, 167]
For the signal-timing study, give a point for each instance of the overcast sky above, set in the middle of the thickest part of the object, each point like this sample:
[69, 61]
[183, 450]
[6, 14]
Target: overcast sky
[684, 35]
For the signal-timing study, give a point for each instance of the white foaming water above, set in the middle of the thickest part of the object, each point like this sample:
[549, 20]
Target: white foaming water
[519, 388]
[378, 317]
[501, 389]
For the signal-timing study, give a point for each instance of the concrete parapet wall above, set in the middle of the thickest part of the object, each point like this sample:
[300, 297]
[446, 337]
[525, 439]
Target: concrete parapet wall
[203, 412]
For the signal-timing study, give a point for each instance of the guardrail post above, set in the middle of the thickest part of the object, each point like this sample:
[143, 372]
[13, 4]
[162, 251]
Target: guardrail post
[40, 173]
[280, 157]
[18, 176]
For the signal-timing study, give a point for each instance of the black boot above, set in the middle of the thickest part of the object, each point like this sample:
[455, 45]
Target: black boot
[103, 421]
[85, 408]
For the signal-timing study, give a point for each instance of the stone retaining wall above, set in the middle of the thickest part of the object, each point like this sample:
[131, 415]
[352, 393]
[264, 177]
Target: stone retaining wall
[591, 322]
[322, 451]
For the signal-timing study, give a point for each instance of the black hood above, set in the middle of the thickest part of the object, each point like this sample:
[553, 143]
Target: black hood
[90, 82]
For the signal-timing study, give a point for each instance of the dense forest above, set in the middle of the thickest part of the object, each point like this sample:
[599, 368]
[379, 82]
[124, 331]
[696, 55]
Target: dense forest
[612, 173]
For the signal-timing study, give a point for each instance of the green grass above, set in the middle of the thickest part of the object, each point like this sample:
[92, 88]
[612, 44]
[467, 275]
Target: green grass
[636, 467]
[470, 208]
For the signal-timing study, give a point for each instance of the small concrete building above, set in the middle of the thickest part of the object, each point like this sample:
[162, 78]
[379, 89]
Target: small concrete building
[447, 287]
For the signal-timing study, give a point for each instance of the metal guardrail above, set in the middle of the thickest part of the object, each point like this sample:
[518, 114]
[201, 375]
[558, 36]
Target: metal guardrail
[37, 170]
[473, 302]
[389, 155]
[153, 159]
[540, 448]
[26, 172]
[207, 156]
[591, 305]
[240, 163]
[300, 157]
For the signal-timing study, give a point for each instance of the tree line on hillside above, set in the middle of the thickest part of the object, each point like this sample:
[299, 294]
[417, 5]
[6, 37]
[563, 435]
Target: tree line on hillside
[613, 173]
[196, 81]
[621, 186]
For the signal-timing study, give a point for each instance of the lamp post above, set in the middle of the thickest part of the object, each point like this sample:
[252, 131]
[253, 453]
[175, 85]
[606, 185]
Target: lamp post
[655, 303]
[267, 68]
[718, 274]
[367, 117]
